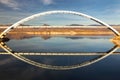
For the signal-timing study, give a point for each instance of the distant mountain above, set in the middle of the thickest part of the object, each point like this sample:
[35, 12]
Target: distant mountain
[94, 25]
[5, 24]
[100, 25]
[66, 25]
[24, 25]
[12, 24]
[114, 25]
[45, 25]
[75, 25]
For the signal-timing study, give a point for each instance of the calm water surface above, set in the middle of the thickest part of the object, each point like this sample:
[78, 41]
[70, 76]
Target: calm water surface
[14, 69]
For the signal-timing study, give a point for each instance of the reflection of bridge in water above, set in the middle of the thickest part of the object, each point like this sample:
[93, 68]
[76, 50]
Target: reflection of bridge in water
[47, 66]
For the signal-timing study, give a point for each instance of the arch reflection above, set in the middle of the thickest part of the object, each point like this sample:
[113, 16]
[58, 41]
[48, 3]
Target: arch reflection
[20, 56]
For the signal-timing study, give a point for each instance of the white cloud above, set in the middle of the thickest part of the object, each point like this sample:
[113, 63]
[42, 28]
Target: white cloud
[47, 2]
[10, 3]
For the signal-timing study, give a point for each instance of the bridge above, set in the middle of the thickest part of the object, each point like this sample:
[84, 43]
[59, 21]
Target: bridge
[47, 66]
[60, 54]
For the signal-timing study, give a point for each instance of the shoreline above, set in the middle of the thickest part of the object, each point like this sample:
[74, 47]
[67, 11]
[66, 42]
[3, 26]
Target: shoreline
[20, 33]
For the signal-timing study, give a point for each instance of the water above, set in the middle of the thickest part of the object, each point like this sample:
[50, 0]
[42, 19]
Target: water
[62, 44]
[15, 69]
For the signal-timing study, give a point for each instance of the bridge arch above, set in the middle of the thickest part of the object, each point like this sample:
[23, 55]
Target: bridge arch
[55, 12]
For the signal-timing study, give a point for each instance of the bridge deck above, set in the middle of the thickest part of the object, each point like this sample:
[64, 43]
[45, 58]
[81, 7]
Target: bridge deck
[62, 54]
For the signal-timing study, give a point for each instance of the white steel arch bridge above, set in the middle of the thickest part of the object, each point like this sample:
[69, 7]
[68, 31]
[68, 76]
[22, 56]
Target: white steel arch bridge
[7, 49]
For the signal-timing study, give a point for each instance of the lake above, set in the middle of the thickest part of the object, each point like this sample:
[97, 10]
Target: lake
[106, 69]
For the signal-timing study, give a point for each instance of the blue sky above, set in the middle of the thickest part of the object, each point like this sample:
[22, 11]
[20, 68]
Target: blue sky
[12, 11]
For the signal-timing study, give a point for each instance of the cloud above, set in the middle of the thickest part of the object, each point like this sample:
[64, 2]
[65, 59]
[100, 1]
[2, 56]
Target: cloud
[10, 3]
[47, 2]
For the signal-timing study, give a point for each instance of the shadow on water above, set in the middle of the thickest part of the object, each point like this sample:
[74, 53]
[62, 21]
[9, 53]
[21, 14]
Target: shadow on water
[4, 39]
